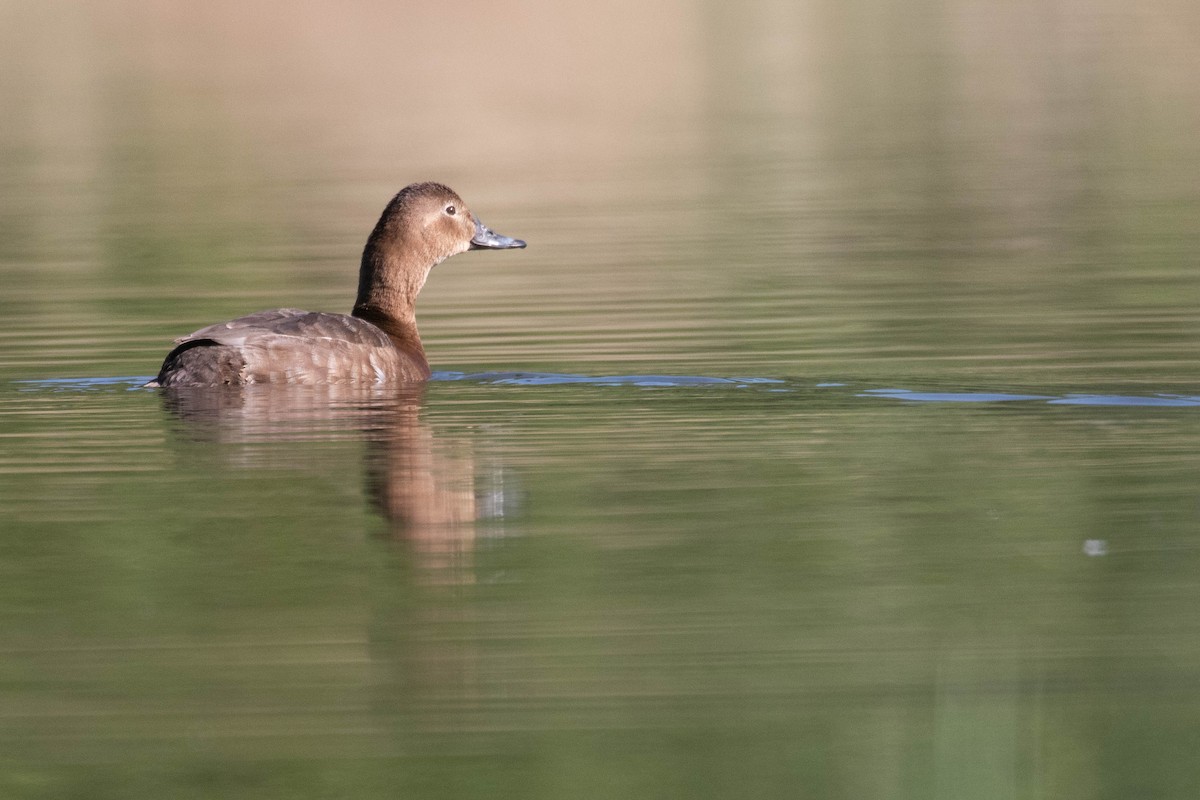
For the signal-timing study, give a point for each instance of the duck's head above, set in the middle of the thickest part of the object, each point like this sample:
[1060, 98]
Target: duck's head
[422, 226]
[432, 218]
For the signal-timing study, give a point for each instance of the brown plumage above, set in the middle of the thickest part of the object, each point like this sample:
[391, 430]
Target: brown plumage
[378, 342]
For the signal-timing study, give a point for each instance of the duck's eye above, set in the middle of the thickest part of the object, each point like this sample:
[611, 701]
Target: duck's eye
[451, 210]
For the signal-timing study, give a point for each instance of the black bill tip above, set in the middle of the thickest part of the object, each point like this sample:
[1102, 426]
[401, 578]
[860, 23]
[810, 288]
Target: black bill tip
[487, 239]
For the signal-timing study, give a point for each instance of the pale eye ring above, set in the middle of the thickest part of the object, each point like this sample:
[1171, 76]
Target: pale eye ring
[451, 210]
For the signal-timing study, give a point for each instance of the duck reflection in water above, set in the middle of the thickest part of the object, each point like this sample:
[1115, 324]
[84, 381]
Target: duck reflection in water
[289, 374]
[427, 487]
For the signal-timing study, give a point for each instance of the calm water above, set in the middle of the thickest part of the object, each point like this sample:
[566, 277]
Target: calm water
[838, 434]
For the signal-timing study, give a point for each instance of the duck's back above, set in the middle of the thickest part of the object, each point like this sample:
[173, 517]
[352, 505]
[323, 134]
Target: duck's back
[287, 345]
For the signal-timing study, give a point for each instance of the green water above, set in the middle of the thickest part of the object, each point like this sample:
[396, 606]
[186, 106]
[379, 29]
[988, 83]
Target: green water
[865, 572]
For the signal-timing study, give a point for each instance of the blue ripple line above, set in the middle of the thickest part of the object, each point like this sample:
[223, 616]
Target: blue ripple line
[1124, 400]
[557, 379]
[82, 384]
[952, 397]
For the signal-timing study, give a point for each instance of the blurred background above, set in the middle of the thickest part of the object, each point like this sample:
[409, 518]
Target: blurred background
[560, 589]
[833, 185]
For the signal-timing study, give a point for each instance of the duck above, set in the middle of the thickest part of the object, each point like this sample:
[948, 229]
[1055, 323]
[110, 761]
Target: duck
[377, 342]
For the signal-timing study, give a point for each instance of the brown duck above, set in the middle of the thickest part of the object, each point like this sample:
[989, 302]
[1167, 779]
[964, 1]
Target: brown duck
[377, 342]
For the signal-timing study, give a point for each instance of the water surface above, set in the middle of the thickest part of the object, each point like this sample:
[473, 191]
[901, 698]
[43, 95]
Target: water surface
[837, 434]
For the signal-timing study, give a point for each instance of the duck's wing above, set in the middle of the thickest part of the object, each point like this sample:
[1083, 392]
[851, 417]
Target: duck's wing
[287, 324]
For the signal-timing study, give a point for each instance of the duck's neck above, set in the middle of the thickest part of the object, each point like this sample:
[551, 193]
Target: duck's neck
[387, 295]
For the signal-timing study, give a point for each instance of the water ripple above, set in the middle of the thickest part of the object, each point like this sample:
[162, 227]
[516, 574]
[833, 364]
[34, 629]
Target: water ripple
[557, 379]
[908, 395]
[1160, 400]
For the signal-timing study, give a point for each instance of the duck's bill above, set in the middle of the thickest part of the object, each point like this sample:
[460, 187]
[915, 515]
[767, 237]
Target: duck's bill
[487, 239]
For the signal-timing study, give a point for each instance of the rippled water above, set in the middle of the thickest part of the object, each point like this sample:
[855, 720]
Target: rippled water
[838, 434]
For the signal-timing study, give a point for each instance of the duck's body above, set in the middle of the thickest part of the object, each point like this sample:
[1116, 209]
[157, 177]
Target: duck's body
[378, 342]
[288, 345]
